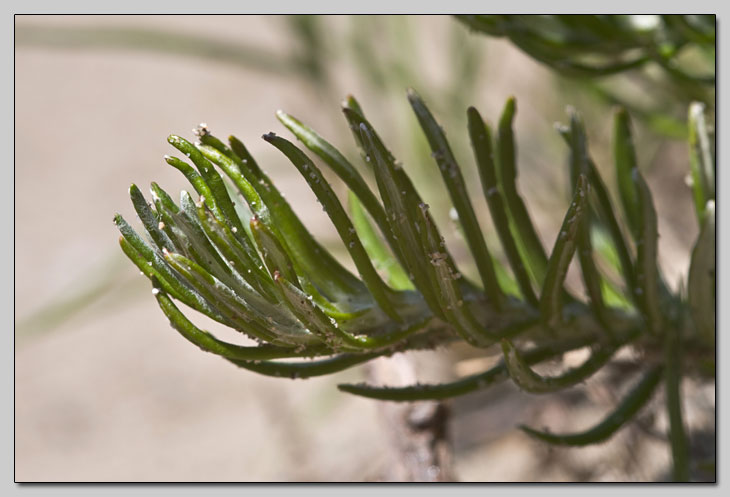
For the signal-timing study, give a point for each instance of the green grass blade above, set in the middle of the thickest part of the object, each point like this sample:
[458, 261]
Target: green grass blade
[521, 224]
[632, 404]
[451, 174]
[551, 298]
[382, 294]
[482, 144]
[375, 248]
[529, 381]
[701, 280]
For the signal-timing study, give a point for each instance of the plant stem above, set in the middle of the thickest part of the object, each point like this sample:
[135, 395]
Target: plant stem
[677, 434]
[420, 448]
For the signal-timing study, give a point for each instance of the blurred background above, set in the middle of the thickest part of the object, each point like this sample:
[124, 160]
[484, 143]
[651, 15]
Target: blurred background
[105, 390]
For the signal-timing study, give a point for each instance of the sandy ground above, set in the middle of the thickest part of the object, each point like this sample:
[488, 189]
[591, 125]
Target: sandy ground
[112, 393]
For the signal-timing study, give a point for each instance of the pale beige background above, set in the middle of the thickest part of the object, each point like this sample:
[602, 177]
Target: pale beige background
[112, 393]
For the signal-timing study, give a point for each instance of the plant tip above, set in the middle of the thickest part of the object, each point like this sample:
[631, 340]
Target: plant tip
[201, 130]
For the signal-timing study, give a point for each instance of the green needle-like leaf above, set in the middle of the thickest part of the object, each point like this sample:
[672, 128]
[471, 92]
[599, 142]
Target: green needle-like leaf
[329, 330]
[521, 224]
[308, 369]
[551, 298]
[237, 256]
[342, 167]
[231, 165]
[632, 403]
[149, 220]
[701, 161]
[275, 256]
[398, 198]
[206, 255]
[451, 174]
[147, 270]
[605, 209]
[591, 278]
[647, 274]
[482, 143]
[375, 248]
[209, 343]
[701, 281]
[198, 183]
[673, 387]
[320, 267]
[378, 289]
[176, 285]
[625, 160]
[223, 205]
[278, 261]
[529, 381]
[468, 384]
[448, 291]
[256, 322]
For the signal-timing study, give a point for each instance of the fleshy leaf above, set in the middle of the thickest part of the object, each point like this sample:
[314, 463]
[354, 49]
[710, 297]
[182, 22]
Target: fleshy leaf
[629, 406]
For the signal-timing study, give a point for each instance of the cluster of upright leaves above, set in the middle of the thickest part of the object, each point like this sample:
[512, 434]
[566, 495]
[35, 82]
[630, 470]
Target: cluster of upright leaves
[599, 45]
[254, 267]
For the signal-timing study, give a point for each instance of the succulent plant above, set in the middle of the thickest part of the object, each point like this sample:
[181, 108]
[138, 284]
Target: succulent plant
[254, 267]
[599, 45]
